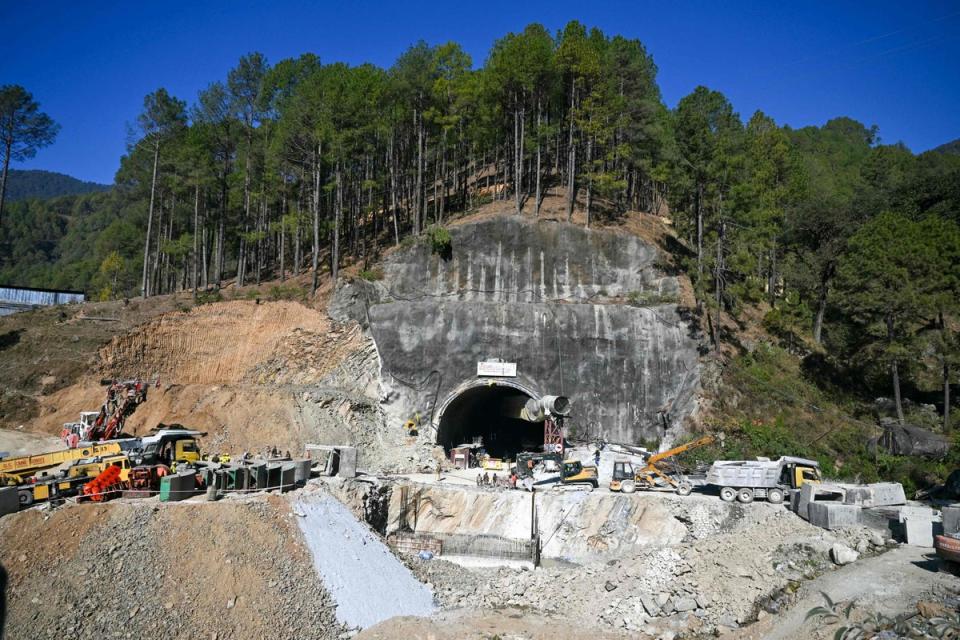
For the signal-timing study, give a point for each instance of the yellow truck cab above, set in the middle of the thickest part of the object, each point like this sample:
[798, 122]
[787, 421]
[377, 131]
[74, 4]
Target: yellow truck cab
[168, 446]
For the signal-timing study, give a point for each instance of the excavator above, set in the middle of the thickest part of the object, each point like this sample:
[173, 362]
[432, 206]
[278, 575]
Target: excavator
[654, 475]
[571, 471]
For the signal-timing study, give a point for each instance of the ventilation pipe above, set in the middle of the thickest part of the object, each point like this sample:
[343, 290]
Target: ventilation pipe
[538, 410]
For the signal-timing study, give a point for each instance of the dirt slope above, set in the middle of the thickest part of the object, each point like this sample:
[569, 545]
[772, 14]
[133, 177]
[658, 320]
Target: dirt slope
[253, 375]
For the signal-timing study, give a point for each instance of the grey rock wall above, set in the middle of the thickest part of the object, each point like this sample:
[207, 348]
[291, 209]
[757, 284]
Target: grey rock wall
[547, 296]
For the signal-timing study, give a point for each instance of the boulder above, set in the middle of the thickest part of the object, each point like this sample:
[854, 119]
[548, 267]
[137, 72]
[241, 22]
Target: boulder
[906, 440]
[682, 605]
[841, 554]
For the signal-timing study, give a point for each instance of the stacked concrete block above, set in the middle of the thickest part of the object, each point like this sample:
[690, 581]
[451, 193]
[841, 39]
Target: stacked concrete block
[9, 500]
[288, 476]
[176, 487]
[833, 515]
[917, 523]
[258, 473]
[241, 479]
[273, 476]
[348, 462]
[303, 471]
[880, 494]
[951, 518]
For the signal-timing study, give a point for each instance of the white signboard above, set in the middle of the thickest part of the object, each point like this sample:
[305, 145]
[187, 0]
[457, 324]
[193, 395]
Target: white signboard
[498, 369]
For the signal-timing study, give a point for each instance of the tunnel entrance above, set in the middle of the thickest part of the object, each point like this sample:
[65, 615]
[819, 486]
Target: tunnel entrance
[490, 412]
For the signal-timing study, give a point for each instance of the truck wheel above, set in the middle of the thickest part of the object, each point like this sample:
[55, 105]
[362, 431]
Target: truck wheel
[628, 486]
[745, 495]
[684, 488]
[728, 494]
[775, 496]
[26, 497]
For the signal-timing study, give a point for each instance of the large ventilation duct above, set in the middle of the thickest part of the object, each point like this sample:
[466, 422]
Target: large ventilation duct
[538, 410]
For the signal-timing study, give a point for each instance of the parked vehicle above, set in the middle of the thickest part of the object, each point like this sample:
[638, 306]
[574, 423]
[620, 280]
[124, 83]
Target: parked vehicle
[745, 480]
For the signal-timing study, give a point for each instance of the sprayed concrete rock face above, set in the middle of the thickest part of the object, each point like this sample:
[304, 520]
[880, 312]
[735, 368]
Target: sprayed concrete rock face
[583, 313]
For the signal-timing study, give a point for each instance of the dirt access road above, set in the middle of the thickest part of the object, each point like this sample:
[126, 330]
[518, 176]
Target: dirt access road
[891, 583]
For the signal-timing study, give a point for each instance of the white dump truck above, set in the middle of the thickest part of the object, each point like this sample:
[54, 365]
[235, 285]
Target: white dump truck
[745, 480]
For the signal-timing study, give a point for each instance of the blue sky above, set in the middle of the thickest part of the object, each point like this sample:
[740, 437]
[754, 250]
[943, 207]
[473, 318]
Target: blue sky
[89, 64]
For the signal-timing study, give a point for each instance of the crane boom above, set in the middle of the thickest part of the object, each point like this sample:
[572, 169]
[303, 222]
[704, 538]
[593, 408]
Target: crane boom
[669, 453]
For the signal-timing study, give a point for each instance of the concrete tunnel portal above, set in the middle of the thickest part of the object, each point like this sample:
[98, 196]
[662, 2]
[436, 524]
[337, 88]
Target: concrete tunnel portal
[492, 412]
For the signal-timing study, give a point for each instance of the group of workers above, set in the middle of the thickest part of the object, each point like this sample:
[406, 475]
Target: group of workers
[508, 482]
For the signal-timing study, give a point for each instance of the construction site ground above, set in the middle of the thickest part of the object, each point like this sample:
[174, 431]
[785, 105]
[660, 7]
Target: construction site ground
[257, 374]
[241, 567]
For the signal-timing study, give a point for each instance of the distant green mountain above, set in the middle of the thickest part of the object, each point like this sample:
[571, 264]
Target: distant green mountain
[22, 185]
[950, 147]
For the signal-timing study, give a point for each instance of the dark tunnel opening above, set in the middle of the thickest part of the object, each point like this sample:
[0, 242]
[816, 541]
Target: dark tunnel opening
[493, 414]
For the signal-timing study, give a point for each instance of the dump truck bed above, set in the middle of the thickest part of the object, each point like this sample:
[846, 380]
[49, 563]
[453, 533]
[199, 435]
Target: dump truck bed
[744, 473]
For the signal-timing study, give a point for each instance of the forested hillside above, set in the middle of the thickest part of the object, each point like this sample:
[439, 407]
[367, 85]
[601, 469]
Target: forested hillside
[34, 183]
[845, 244]
[950, 147]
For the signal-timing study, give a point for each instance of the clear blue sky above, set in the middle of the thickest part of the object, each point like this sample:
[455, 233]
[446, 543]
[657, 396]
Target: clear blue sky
[89, 64]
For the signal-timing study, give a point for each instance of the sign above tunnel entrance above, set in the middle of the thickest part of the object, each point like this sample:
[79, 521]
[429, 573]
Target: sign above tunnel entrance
[497, 369]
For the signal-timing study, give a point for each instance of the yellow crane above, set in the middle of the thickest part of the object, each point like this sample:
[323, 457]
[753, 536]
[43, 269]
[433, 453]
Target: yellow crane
[16, 470]
[627, 478]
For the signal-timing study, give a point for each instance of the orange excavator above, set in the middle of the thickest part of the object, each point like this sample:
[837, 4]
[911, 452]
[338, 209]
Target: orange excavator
[654, 476]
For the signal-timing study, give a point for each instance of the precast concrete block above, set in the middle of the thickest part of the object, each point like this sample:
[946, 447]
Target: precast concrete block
[951, 518]
[347, 467]
[917, 525]
[273, 476]
[916, 513]
[880, 494]
[303, 471]
[207, 475]
[241, 478]
[258, 475]
[833, 515]
[288, 476]
[805, 497]
[918, 532]
[223, 480]
[9, 500]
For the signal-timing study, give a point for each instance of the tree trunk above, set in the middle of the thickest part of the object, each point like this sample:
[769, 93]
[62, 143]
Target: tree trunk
[895, 371]
[539, 146]
[822, 303]
[335, 252]
[145, 285]
[700, 229]
[718, 277]
[3, 178]
[572, 161]
[283, 238]
[316, 220]
[571, 166]
[196, 238]
[418, 198]
[393, 192]
[946, 376]
[772, 279]
[589, 159]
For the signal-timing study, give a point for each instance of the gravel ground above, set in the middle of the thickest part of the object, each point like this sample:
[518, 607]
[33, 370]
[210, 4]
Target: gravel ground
[142, 569]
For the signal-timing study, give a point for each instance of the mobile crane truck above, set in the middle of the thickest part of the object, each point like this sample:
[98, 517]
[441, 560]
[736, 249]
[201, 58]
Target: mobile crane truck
[654, 476]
